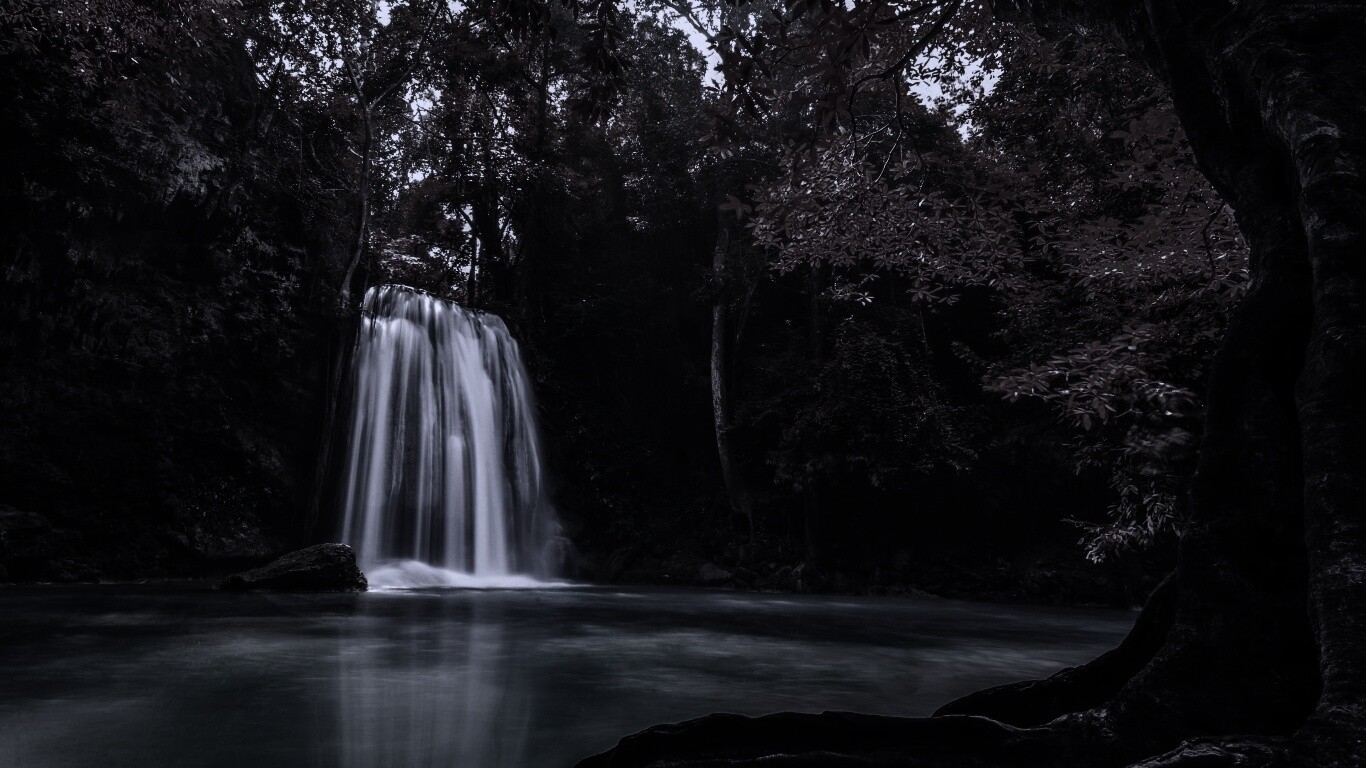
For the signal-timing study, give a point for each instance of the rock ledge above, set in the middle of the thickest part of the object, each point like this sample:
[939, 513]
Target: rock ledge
[319, 568]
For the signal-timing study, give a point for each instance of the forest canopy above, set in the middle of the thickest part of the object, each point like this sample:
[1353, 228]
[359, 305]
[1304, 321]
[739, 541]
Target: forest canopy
[780, 298]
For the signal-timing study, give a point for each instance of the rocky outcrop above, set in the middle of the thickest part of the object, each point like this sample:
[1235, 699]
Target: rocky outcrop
[319, 568]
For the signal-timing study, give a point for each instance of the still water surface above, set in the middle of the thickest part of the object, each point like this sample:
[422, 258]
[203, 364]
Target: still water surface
[182, 676]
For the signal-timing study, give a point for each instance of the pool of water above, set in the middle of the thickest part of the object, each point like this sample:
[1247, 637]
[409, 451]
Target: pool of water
[175, 675]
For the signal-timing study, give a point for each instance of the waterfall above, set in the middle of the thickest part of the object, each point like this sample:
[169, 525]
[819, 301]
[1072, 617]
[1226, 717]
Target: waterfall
[441, 478]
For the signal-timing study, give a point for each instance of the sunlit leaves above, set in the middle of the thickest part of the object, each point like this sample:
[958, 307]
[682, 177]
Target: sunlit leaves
[1094, 383]
[912, 218]
[98, 37]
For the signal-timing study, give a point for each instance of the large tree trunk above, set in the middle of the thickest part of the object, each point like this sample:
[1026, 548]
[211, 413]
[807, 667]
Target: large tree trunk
[1256, 653]
[1273, 96]
[1298, 71]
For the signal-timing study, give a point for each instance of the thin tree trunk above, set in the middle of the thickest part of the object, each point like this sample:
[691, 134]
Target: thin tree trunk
[493, 267]
[362, 225]
[340, 347]
[471, 297]
[535, 237]
[736, 490]
[344, 335]
[812, 522]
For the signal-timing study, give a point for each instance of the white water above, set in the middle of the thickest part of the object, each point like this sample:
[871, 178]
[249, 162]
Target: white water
[442, 481]
[413, 574]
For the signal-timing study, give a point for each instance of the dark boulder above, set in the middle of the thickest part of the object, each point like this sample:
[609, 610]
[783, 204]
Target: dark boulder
[319, 568]
[32, 549]
[711, 574]
[26, 543]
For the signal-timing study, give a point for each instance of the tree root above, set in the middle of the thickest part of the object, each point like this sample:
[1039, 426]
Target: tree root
[1317, 745]
[1226, 753]
[847, 740]
[1035, 702]
[1147, 700]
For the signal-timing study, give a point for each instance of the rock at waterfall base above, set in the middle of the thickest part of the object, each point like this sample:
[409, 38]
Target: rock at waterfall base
[319, 568]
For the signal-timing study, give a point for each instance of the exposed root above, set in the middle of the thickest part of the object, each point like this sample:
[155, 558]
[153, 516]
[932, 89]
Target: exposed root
[1331, 738]
[1226, 753]
[846, 740]
[843, 740]
[1035, 702]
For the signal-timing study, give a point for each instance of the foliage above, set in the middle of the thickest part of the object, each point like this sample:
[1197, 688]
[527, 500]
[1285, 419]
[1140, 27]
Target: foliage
[157, 336]
[1076, 204]
[916, 201]
[872, 415]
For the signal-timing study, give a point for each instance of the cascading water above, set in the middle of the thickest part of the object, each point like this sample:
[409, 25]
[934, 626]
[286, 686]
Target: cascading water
[442, 477]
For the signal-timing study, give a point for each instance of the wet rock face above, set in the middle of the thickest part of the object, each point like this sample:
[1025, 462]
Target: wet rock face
[319, 568]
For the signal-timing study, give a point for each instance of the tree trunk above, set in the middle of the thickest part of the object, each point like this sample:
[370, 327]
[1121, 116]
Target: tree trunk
[494, 283]
[341, 346]
[736, 490]
[362, 210]
[812, 523]
[1302, 67]
[471, 277]
[344, 334]
[1262, 658]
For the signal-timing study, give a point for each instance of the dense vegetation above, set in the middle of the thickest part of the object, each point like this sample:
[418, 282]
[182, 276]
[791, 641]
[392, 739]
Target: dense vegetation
[905, 339]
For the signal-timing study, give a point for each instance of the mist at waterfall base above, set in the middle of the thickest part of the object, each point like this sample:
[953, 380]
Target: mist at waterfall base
[441, 477]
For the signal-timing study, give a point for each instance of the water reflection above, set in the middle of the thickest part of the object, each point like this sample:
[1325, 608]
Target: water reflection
[139, 678]
[443, 693]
